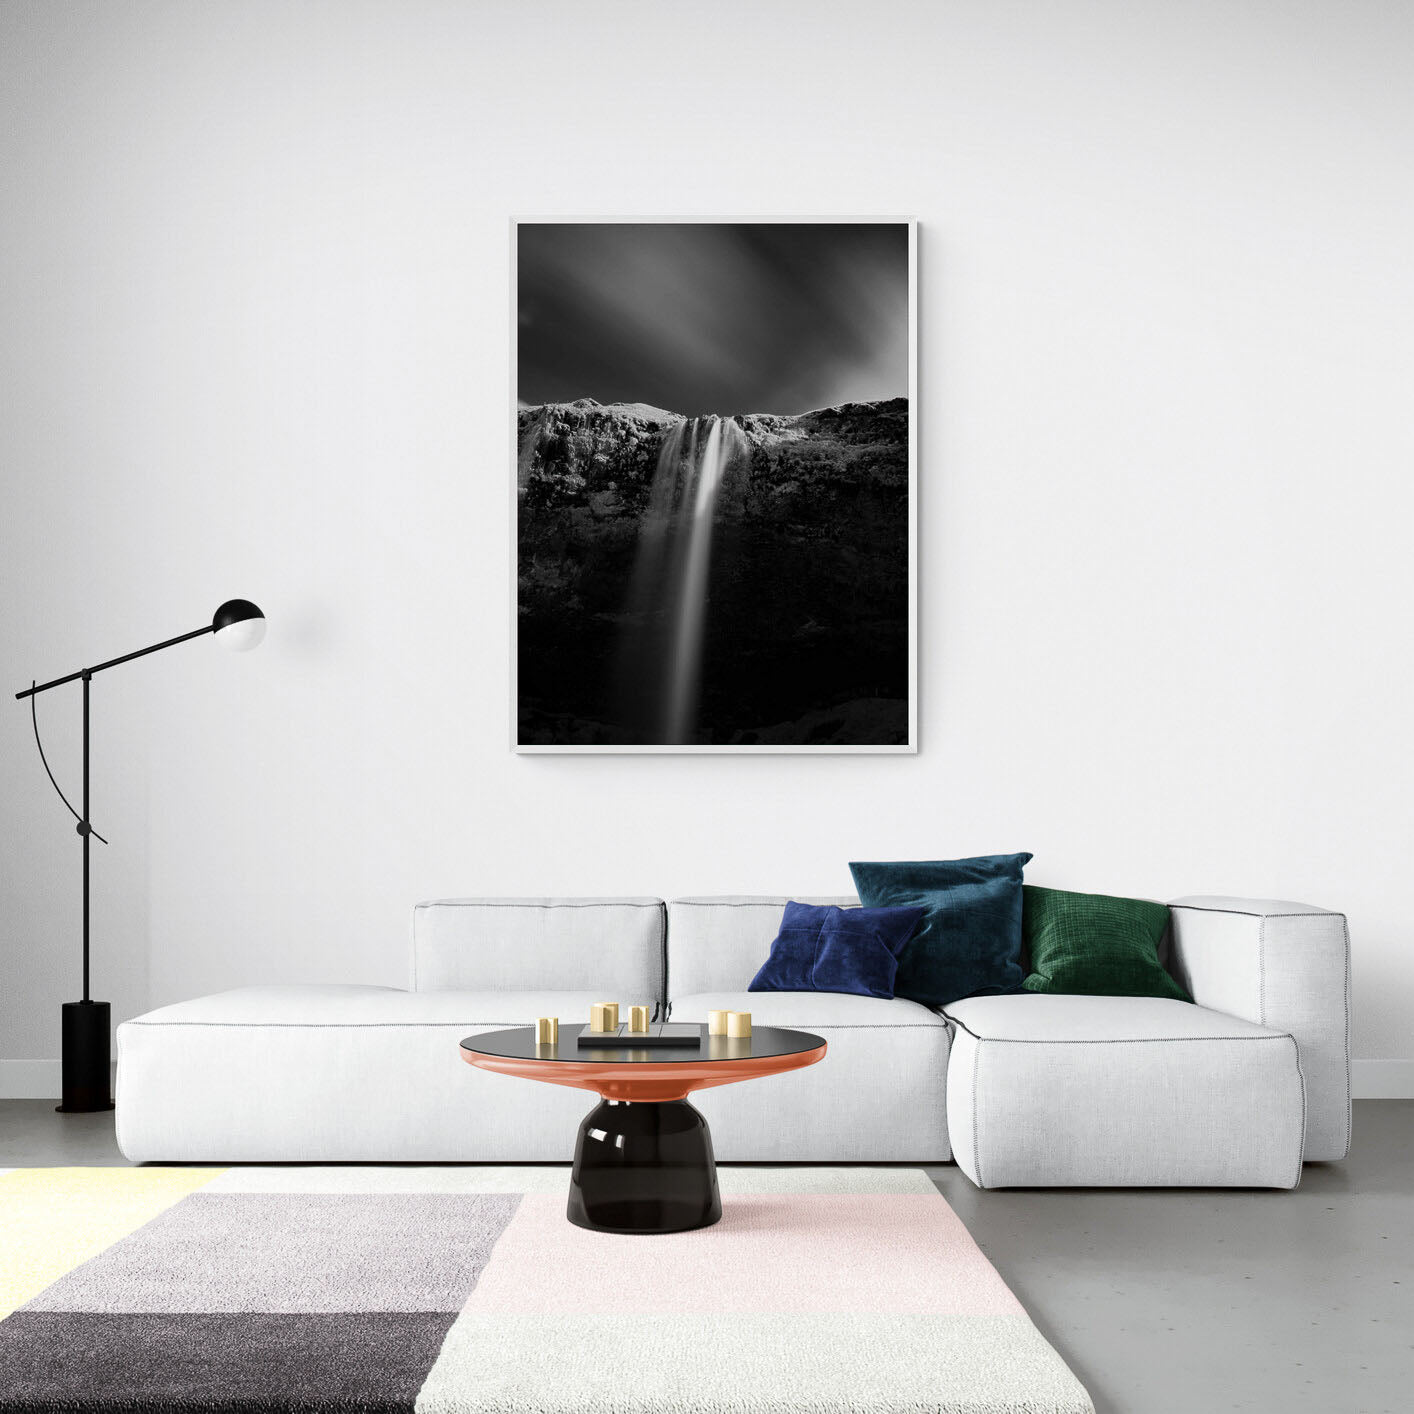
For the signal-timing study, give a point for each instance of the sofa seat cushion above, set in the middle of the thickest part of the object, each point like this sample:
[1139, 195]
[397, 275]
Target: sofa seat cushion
[878, 1096]
[339, 1074]
[808, 1009]
[343, 1005]
[1033, 1016]
[1056, 1091]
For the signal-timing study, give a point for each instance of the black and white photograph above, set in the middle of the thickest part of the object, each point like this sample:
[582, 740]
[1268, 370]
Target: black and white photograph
[715, 499]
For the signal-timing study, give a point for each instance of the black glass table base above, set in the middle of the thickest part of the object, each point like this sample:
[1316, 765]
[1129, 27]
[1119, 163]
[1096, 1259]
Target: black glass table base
[644, 1167]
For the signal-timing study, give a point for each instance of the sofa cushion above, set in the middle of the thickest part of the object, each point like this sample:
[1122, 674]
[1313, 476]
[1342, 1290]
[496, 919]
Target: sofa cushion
[821, 948]
[612, 946]
[879, 1095]
[1051, 1091]
[970, 941]
[719, 944]
[1094, 944]
[332, 1005]
[338, 1074]
[808, 1009]
[1027, 1016]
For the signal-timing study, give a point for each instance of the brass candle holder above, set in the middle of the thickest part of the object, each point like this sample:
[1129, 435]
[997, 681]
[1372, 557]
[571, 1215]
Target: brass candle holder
[547, 1031]
[717, 1023]
[739, 1024]
[638, 1018]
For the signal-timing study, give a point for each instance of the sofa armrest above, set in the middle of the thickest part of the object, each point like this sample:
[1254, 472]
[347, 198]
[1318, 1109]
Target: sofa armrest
[1283, 965]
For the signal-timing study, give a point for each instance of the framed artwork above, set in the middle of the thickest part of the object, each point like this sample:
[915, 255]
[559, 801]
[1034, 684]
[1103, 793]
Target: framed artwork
[715, 486]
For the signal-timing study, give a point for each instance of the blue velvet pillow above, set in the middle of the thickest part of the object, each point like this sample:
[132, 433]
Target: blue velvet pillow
[969, 944]
[828, 949]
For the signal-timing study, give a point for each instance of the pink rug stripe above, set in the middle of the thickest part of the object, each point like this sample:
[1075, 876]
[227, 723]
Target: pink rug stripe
[898, 1254]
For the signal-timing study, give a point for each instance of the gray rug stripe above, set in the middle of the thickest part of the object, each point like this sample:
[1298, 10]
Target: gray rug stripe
[294, 1252]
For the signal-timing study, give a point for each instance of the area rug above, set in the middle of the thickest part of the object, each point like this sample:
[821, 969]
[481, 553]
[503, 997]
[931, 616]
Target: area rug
[465, 1291]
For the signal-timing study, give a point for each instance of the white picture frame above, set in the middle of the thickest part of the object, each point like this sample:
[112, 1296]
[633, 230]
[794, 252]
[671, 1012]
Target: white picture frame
[909, 746]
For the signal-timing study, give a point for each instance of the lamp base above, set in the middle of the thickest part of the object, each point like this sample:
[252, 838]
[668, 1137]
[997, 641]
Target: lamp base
[87, 1058]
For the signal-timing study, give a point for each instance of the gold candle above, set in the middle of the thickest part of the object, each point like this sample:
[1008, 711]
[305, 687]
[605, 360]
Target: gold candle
[547, 1031]
[638, 1018]
[739, 1024]
[717, 1023]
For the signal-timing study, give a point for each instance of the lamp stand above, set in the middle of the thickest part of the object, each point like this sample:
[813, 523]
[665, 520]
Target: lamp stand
[86, 1029]
[86, 1026]
[87, 1057]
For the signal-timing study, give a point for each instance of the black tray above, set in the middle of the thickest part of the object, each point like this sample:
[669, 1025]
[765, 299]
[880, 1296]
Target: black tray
[678, 1034]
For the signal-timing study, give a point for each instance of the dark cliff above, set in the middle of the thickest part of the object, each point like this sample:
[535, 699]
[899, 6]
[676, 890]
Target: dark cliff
[806, 636]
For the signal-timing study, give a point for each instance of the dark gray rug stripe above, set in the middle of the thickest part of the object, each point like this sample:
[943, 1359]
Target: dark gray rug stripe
[238, 1363]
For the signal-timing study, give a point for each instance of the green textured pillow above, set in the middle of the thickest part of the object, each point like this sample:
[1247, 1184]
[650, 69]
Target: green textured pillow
[1094, 945]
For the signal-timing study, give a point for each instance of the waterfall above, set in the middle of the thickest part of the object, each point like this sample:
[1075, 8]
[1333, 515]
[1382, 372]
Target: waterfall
[668, 601]
[685, 668]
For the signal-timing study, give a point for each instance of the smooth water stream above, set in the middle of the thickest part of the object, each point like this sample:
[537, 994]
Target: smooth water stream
[672, 578]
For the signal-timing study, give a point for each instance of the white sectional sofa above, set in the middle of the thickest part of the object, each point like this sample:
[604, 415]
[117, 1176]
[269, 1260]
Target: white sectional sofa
[1026, 1090]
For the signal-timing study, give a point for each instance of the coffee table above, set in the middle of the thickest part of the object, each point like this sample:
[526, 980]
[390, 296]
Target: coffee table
[643, 1161]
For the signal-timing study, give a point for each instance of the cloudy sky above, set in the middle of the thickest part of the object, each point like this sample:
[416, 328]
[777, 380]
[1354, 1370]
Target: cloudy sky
[699, 318]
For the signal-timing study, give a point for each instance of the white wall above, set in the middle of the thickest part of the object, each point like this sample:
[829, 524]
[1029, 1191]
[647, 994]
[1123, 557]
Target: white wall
[253, 316]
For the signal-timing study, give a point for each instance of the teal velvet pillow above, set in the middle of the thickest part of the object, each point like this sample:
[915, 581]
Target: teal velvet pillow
[969, 942]
[1095, 945]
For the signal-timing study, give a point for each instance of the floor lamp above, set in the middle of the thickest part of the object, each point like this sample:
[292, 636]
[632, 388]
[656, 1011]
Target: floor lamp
[87, 1054]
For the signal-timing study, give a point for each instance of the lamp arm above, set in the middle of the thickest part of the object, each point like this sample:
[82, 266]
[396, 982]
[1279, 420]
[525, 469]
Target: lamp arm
[113, 662]
[34, 719]
[33, 691]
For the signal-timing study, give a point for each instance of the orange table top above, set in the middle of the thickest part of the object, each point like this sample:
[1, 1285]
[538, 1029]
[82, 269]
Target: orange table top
[641, 1074]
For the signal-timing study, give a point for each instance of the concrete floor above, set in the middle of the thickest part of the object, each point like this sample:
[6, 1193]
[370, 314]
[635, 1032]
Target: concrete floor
[1163, 1301]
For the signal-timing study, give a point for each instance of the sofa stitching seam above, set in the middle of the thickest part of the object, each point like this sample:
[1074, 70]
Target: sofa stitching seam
[767, 903]
[1118, 1040]
[1106, 1040]
[861, 1025]
[663, 953]
[1301, 1080]
[1262, 971]
[344, 1025]
[492, 903]
[1248, 913]
[322, 1025]
[976, 1136]
[1345, 933]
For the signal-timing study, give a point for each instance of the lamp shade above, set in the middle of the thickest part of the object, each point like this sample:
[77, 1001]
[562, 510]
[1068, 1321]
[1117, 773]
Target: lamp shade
[238, 625]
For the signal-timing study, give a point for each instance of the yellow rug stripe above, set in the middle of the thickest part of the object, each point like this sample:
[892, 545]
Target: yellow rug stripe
[51, 1220]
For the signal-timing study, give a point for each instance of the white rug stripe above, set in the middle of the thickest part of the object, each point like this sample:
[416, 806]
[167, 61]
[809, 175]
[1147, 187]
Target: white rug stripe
[352, 1178]
[548, 1179]
[736, 1182]
[732, 1364]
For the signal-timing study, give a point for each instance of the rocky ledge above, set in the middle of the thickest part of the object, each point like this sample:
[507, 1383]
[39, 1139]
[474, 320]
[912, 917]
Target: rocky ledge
[806, 635]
